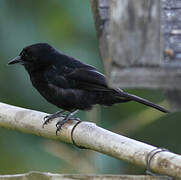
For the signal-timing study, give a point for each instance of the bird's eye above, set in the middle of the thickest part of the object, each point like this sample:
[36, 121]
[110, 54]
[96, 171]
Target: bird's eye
[23, 54]
[26, 55]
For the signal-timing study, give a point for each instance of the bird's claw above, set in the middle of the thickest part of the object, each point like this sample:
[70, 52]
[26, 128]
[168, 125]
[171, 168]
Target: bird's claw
[58, 129]
[46, 117]
[47, 120]
[62, 121]
[59, 124]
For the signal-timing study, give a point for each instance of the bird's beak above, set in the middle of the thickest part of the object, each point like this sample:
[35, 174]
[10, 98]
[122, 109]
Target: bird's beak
[16, 60]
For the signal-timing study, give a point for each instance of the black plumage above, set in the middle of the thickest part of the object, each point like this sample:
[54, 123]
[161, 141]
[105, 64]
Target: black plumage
[68, 83]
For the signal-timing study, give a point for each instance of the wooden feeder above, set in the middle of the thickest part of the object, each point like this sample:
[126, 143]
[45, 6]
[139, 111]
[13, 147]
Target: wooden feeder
[140, 44]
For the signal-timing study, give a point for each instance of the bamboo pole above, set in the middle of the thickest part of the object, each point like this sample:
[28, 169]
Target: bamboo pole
[90, 136]
[51, 176]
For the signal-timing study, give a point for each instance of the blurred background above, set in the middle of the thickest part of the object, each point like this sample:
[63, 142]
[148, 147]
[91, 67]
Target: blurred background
[68, 26]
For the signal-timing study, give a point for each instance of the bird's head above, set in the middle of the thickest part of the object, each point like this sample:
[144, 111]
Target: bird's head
[35, 56]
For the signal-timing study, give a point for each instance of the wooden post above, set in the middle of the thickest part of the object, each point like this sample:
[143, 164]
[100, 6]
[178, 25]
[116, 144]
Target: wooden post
[100, 9]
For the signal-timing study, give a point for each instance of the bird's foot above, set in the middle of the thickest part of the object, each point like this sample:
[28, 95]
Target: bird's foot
[66, 118]
[49, 118]
[60, 124]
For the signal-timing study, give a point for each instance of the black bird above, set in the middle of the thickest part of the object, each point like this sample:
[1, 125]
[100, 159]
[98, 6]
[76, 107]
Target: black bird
[68, 83]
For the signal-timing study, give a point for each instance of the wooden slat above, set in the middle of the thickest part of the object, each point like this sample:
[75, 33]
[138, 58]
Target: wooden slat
[135, 32]
[140, 77]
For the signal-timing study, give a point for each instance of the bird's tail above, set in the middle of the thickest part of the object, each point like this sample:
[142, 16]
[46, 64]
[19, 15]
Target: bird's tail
[131, 97]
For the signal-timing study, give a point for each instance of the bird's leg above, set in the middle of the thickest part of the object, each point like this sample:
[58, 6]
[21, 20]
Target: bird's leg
[67, 117]
[49, 118]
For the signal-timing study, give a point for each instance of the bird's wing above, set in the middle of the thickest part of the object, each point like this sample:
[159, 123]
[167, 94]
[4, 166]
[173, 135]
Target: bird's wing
[78, 78]
[89, 79]
[54, 77]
